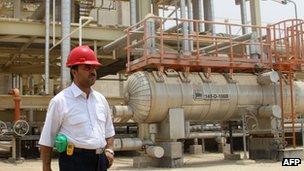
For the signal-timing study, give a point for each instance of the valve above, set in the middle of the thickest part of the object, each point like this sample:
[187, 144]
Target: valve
[21, 127]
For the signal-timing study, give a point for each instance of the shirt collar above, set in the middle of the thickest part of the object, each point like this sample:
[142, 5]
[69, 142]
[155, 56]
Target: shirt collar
[77, 91]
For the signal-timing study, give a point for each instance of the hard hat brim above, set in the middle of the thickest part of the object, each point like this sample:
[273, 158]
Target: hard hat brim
[85, 63]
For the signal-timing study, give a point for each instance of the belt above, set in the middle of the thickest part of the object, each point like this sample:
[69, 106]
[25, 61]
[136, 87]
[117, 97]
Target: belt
[95, 151]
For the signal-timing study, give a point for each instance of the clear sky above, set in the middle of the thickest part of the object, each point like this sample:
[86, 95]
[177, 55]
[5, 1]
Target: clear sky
[271, 11]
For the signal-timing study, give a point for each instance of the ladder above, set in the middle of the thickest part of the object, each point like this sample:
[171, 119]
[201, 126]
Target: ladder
[289, 117]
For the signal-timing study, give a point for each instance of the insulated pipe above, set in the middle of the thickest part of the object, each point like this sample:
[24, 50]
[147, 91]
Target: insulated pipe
[244, 16]
[121, 42]
[66, 43]
[122, 111]
[54, 22]
[209, 15]
[198, 13]
[193, 135]
[132, 12]
[80, 27]
[155, 151]
[185, 26]
[268, 78]
[226, 45]
[16, 96]
[47, 47]
[190, 17]
[270, 111]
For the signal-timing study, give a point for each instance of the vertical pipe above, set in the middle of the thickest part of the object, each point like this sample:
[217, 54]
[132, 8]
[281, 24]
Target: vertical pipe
[66, 43]
[244, 136]
[17, 8]
[54, 21]
[185, 27]
[190, 17]
[200, 14]
[209, 15]
[133, 12]
[95, 47]
[255, 13]
[244, 16]
[230, 136]
[80, 31]
[31, 87]
[47, 46]
[244, 22]
[119, 13]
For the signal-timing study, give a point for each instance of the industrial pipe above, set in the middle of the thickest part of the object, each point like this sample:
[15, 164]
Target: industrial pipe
[47, 47]
[133, 12]
[185, 26]
[89, 19]
[66, 43]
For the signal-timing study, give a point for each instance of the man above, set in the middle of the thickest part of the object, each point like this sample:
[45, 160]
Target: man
[83, 116]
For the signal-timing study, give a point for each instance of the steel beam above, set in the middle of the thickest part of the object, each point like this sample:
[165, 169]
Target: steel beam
[30, 28]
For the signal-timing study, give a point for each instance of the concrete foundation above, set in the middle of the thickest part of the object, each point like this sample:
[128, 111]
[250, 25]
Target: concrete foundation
[171, 162]
[291, 153]
[264, 148]
[144, 162]
[195, 149]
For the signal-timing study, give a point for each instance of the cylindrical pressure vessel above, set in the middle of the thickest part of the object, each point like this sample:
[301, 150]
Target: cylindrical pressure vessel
[150, 95]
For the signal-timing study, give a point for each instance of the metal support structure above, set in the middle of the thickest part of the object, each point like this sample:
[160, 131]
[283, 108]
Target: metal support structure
[47, 47]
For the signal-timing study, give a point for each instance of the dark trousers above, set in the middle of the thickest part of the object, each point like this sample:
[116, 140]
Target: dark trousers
[83, 161]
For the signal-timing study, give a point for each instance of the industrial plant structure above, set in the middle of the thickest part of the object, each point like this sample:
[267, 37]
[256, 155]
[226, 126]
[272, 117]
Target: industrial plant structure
[181, 77]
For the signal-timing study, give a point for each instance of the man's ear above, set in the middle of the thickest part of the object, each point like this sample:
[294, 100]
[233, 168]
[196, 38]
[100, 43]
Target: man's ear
[74, 71]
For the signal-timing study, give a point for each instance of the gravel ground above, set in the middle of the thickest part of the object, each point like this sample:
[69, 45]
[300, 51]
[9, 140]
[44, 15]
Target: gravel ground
[206, 161]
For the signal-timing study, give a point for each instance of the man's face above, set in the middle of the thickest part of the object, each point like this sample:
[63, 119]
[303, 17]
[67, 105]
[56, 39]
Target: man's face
[85, 75]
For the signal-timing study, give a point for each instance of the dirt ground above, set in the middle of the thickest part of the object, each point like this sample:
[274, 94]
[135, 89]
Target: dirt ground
[207, 161]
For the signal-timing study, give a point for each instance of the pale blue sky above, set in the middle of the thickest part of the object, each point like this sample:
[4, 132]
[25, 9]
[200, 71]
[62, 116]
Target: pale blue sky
[272, 12]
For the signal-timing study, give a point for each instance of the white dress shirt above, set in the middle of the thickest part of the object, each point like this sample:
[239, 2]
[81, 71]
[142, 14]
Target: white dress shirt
[86, 122]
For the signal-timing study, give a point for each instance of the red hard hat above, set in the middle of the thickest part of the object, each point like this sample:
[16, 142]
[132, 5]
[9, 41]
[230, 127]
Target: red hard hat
[82, 55]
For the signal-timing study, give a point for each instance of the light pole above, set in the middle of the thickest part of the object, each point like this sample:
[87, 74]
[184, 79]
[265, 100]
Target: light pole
[286, 2]
[295, 6]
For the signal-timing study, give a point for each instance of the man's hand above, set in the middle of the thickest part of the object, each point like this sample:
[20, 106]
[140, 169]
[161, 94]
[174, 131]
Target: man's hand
[109, 155]
[110, 158]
